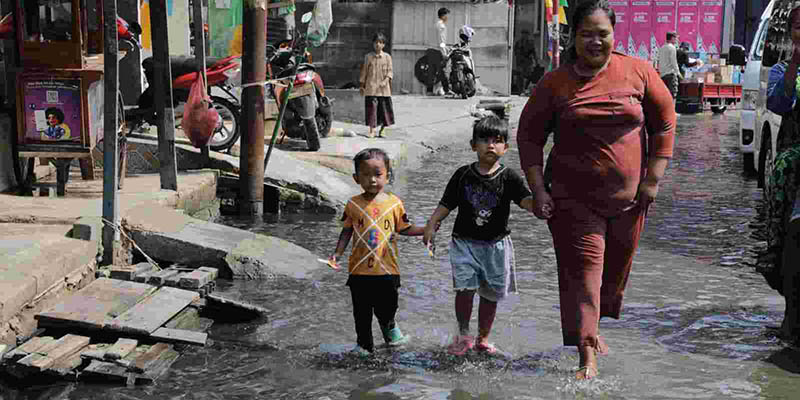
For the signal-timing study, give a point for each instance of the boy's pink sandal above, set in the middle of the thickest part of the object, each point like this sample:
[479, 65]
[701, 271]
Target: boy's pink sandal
[487, 347]
[461, 345]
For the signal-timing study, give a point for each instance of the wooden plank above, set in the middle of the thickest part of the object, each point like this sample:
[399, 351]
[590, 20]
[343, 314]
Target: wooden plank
[129, 272]
[214, 272]
[66, 365]
[159, 278]
[46, 356]
[196, 279]
[146, 360]
[189, 319]
[147, 316]
[180, 336]
[120, 349]
[95, 305]
[175, 280]
[35, 343]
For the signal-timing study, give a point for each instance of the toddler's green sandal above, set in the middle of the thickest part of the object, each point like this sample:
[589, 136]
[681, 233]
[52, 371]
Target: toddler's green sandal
[395, 337]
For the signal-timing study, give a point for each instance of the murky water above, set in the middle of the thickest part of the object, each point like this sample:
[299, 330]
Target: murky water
[694, 324]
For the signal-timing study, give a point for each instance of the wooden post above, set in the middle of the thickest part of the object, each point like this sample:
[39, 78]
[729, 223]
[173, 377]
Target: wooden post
[110, 123]
[254, 71]
[200, 55]
[162, 91]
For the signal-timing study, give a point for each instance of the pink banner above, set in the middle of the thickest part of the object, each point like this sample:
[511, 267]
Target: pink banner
[709, 37]
[621, 28]
[641, 41]
[665, 21]
[688, 22]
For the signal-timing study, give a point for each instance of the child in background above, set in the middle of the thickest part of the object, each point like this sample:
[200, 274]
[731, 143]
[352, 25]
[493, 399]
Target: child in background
[376, 217]
[376, 87]
[481, 252]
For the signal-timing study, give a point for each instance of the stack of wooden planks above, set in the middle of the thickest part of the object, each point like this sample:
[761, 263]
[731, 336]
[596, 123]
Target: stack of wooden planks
[72, 356]
[201, 279]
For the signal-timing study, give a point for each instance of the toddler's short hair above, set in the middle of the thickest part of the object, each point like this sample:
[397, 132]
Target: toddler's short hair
[369, 154]
[490, 126]
[379, 37]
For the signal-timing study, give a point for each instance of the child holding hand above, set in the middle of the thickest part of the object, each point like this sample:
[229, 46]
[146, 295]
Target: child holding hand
[481, 252]
[375, 218]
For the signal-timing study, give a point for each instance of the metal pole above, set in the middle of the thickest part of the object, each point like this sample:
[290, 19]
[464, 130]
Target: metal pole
[110, 124]
[254, 72]
[162, 93]
[200, 54]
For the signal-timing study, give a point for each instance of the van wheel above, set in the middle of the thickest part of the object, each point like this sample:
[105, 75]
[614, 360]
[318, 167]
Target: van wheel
[748, 164]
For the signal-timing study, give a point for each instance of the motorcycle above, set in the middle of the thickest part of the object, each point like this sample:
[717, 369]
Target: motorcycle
[184, 71]
[462, 68]
[308, 113]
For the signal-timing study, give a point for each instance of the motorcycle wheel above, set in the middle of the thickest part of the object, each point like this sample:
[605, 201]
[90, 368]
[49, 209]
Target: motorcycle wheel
[469, 85]
[324, 116]
[227, 132]
[312, 134]
[456, 82]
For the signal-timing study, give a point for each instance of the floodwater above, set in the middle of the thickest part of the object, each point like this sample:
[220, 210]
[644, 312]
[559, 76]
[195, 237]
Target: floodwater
[696, 322]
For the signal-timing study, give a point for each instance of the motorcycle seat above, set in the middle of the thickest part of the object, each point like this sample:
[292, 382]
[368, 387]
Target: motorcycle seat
[180, 65]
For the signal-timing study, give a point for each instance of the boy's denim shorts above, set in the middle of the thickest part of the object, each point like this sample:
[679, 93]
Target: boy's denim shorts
[487, 267]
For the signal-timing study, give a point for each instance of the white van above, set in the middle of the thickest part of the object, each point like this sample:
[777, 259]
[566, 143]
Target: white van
[758, 127]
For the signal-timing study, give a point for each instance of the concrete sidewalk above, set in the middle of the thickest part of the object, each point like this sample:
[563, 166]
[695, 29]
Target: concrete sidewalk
[42, 259]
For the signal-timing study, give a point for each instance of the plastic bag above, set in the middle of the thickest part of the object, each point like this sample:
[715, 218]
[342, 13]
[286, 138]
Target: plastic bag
[199, 118]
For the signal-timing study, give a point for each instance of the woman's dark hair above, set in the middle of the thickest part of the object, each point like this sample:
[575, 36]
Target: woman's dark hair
[379, 37]
[369, 154]
[56, 112]
[583, 10]
[442, 12]
[490, 126]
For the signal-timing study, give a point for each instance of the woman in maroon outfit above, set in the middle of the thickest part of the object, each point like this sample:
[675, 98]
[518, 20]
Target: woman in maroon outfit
[613, 122]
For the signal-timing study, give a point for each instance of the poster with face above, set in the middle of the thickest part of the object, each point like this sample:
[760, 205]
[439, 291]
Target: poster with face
[52, 110]
[641, 27]
[710, 30]
[621, 27]
[688, 23]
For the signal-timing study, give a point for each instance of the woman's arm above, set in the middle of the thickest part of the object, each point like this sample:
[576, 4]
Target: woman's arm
[660, 120]
[535, 124]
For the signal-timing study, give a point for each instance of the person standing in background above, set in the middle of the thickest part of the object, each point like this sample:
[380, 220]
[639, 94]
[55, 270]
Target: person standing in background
[668, 64]
[441, 28]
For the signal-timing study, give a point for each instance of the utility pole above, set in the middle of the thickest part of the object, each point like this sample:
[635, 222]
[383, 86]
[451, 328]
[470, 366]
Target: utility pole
[254, 75]
[162, 88]
[110, 124]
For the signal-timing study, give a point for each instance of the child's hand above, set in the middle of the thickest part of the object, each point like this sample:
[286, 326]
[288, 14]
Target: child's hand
[429, 234]
[331, 261]
[361, 90]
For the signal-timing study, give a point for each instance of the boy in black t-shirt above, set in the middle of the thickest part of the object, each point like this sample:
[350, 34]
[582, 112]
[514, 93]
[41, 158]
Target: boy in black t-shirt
[481, 252]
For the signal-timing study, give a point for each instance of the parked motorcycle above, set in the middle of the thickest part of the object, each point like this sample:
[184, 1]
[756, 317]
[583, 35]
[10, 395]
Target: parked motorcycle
[462, 68]
[184, 72]
[308, 113]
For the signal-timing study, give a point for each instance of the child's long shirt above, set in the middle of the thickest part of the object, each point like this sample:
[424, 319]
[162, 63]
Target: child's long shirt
[483, 201]
[374, 72]
[375, 225]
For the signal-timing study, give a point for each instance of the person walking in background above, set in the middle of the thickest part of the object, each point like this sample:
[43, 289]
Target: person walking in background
[441, 29]
[684, 61]
[481, 251]
[668, 64]
[614, 123]
[376, 87]
[376, 218]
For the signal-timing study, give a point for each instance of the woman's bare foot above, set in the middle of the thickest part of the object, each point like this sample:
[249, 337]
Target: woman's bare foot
[588, 363]
[601, 346]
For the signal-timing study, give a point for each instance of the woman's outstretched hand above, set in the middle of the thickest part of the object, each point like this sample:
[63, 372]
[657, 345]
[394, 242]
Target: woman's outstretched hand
[543, 205]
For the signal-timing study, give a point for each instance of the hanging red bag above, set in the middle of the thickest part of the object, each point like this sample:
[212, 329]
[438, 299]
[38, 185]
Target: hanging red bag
[199, 117]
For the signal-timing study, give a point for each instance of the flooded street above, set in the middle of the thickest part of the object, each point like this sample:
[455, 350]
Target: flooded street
[694, 325]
